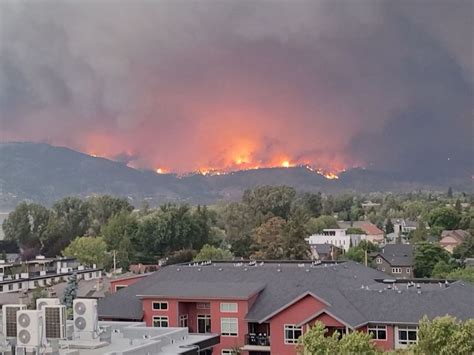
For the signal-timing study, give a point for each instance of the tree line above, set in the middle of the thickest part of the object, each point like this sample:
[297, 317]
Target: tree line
[269, 222]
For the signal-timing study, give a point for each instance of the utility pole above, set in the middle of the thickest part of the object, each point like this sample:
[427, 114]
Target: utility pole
[365, 257]
[115, 262]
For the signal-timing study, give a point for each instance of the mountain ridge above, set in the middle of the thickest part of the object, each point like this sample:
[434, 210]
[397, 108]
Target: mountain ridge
[44, 173]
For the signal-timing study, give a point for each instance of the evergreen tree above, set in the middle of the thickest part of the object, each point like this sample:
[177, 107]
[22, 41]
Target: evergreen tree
[389, 228]
[450, 192]
[70, 293]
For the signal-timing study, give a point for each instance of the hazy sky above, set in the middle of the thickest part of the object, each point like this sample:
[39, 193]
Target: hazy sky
[183, 85]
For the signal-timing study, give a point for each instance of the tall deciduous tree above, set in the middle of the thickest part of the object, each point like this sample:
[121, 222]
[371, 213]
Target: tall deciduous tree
[27, 225]
[444, 217]
[268, 239]
[88, 250]
[426, 257]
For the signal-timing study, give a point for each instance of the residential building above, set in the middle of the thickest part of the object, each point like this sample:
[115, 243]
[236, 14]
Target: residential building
[373, 233]
[403, 226]
[335, 237]
[450, 239]
[264, 307]
[395, 260]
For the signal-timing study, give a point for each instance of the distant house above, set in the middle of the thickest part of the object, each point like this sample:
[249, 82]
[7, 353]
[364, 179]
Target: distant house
[395, 260]
[403, 226]
[450, 239]
[373, 234]
[335, 237]
[325, 252]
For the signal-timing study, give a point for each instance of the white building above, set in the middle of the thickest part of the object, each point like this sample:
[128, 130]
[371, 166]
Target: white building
[336, 237]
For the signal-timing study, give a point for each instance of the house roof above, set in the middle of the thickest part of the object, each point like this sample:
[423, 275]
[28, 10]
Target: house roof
[367, 227]
[350, 291]
[397, 254]
[457, 234]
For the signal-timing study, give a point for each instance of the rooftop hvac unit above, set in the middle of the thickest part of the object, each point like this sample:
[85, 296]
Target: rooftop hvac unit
[55, 321]
[85, 315]
[29, 329]
[41, 302]
[9, 319]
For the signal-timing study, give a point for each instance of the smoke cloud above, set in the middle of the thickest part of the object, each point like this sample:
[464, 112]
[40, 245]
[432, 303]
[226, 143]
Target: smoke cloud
[182, 85]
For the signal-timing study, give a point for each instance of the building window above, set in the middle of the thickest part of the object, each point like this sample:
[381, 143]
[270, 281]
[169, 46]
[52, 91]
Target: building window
[203, 305]
[160, 322]
[160, 306]
[379, 332]
[408, 270]
[229, 307]
[204, 323]
[406, 335]
[396, 270]
[229, 327]
[379, 260]
[183, 320]
[1, 288]
[119, 287]
[292, 333]
[228, 352]
[10, 287]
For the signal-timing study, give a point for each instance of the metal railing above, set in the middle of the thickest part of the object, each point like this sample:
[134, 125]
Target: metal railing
[257, 339]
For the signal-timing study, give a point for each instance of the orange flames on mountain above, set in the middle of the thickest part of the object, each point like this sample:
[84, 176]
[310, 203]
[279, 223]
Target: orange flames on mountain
[237, 154]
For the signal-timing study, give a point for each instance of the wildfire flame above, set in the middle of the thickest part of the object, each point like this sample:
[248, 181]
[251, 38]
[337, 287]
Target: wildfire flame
[244, 162]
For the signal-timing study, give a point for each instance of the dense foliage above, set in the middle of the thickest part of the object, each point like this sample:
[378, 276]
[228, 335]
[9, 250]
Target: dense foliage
[270, 222]
[445, 336]
[316, 342]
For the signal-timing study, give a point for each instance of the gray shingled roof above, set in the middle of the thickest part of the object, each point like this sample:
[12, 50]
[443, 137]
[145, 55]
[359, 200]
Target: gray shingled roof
[397, 254]
[281, 284]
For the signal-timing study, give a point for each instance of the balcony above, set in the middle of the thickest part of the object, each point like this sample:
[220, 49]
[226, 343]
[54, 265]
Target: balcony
[257, 342]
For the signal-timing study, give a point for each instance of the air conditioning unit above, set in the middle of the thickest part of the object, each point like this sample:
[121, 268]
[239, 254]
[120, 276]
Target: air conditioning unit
[85, 315]
[29, 329]
[54, 321]
[9, 319]
[41, 302]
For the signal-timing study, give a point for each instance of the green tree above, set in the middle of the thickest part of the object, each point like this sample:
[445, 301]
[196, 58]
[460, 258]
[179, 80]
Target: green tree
[209, 252]
[358, 252]
[26, 225]
[102, 208]
[465, 249]
[268, 239]
[315, 341]
[69, 219]
[420, 233]
[441, 269]
[458, 206]
[270, 200]
[317, 225]
[70, 293]
[37, 293]
[238, 221]
[464, 274]
[450, 192]
[88, 250]
[294, 244]
[445, 336]
[389, 228]
[444, 217]
[357, 343]
[426, 257]
[312, 203]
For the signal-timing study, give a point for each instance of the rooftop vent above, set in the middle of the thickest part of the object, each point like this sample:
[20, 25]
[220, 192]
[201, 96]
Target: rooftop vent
[278, 270]
[301, 265]
[178, 269]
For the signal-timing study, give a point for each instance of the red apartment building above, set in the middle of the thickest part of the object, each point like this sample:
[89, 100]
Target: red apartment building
[262, 308]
